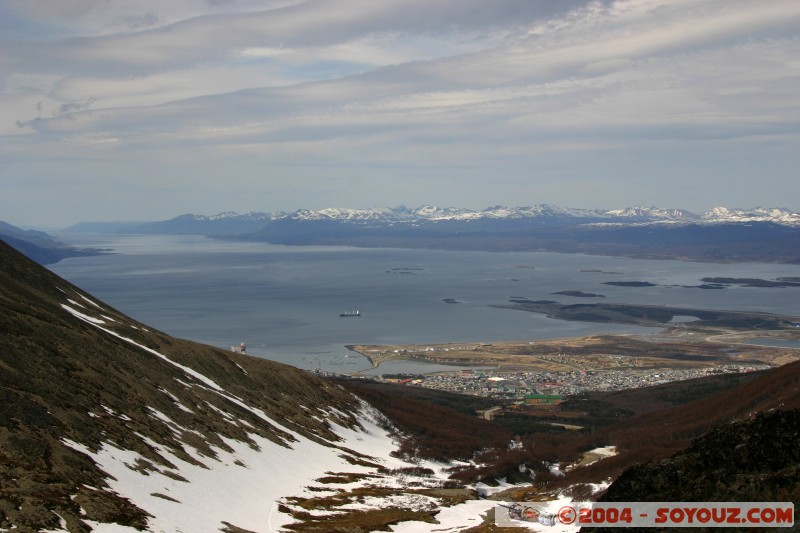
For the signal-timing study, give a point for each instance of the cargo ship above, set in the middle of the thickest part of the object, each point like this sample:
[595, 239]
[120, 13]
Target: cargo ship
[355, 312]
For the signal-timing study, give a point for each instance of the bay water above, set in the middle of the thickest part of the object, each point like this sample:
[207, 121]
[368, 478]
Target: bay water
[285, 301]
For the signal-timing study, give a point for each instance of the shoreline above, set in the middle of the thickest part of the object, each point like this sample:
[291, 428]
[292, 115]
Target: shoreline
[674, 347]
[365, 350]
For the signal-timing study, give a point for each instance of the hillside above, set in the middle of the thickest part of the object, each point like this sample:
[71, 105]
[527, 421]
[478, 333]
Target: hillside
[106, 421]
[663, 430]
[754, 459]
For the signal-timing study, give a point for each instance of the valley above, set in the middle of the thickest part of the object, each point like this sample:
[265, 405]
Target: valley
[141, 422]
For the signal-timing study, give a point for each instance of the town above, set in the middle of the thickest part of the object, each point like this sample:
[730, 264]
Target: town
[549, 387]
[545, 371]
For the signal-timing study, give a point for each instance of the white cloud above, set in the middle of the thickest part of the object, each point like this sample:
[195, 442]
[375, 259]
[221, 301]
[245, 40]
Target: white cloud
[358, 87]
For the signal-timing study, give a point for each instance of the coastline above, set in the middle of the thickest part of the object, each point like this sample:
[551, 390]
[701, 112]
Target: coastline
[677, 347]
[687, 338]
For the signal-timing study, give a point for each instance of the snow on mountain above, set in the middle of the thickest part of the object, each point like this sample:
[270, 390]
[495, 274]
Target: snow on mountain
[231, 223]
[503, 212]
[653, 213]
[220, 216]
[336, 213]
[247, 483]
[636, 215]
[556, 211]
[776, 215]
[229, 215]
[435, 213]
[438, 213]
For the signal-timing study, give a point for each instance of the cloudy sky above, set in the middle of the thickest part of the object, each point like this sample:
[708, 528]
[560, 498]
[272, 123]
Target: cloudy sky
[144, 109]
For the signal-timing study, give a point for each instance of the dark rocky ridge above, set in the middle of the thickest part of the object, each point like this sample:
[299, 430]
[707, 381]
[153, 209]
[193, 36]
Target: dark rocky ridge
[752, 460]
[757, 459]
[661, 432]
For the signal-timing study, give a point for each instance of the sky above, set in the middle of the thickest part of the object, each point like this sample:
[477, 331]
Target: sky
[144, 110]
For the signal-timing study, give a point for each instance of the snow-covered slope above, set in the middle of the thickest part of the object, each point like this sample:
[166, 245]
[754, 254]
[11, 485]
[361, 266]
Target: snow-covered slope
[241, 482]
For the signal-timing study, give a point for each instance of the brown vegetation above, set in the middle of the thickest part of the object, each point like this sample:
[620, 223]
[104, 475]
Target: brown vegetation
[432, 431]
[644, 424]
[657, 434]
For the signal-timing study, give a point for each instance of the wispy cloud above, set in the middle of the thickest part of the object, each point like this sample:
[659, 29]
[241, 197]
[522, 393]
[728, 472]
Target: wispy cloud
[544, 95]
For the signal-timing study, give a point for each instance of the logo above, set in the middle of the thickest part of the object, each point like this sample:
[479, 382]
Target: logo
[648, 514]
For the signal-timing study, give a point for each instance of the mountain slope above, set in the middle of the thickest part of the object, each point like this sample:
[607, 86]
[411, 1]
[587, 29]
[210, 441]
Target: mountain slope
[756, 459]
[656, 435]
[103, 420]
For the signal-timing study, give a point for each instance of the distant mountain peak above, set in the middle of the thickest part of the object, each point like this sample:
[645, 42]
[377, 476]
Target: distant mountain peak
[654, 213]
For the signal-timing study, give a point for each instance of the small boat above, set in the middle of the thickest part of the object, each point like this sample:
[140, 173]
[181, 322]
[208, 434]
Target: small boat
[355, 312]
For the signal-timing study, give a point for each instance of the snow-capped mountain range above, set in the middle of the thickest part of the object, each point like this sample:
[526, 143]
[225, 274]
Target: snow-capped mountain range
[428, 213]
[719, 234]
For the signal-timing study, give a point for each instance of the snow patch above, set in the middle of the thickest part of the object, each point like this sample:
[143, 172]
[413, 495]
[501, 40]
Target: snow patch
[450, 519]
[113, 413]
[224, 414]
[97, 305]
[85, 318]
[605, 451]
[412, 502]
[225, 491]
[176, 401]
[171, 424]
[485, 490]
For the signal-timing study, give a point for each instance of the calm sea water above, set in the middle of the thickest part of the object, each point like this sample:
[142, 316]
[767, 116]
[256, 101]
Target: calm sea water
[284, 302]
